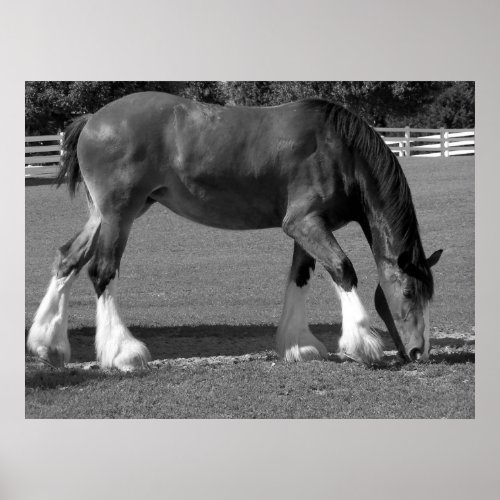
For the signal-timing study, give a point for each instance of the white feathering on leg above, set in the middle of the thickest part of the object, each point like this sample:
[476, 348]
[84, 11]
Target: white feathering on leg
[295, 340]
[48, 336]
[358, 340]
[115, 345]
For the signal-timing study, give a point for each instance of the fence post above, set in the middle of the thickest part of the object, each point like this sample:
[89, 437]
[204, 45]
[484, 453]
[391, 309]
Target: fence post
[443, 145]
[407, 141]
[61, 138]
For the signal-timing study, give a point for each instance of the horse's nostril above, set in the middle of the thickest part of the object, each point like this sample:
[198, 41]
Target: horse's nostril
[415, 354]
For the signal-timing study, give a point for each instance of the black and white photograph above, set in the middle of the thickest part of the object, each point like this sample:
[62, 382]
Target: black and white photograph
[255, 249]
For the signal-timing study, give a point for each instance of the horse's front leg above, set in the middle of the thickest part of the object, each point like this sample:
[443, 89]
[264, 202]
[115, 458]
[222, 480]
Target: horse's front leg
[295, 340]
[358, 341]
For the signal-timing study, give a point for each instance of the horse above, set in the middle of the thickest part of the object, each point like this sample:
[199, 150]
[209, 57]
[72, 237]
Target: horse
[309, 167]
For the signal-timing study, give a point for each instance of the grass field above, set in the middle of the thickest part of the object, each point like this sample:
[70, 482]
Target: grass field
[207, 303]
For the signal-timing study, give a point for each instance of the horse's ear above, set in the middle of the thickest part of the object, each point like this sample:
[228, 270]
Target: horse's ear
[407, 266]
[404, 261]
[433, 259]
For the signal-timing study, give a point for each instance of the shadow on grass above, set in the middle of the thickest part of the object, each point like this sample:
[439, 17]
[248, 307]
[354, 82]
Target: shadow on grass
[454, 358]
[42, 377]
[172, 342]
[39, 181]
[394, 363]
[452, 342]
[216, 340]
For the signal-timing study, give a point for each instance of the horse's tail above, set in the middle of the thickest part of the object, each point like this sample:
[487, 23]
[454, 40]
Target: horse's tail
[70, 168]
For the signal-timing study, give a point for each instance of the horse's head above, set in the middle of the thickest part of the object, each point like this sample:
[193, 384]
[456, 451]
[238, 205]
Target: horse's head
[402, 300]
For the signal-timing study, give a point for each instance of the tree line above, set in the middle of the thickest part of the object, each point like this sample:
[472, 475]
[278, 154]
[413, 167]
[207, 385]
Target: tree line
[50, 106]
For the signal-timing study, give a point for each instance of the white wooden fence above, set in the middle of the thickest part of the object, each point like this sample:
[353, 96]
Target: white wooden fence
[43, 153]
[424, 142]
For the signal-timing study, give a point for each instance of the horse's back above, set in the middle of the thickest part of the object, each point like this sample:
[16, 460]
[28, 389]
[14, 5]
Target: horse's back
[148, 112]
[226, 166]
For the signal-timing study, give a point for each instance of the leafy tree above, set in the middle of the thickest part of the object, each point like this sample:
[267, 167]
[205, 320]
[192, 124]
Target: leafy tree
[376, 101]
[231, 93]
[50, 105]
[454, 107]
[209, 92]
[46, 107]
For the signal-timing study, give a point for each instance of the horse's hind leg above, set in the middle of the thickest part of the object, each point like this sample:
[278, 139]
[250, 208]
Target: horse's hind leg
[295, 340]
[357, 341]
[116, 347]
[48, 336]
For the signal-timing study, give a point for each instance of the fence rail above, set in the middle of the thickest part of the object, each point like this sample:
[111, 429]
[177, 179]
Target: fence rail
[43, 153]
[430, 142]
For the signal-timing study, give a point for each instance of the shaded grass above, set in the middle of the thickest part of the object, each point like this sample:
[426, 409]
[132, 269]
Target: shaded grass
[226, 340]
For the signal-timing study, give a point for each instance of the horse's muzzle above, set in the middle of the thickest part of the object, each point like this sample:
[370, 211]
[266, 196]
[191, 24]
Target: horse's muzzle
[415, 354]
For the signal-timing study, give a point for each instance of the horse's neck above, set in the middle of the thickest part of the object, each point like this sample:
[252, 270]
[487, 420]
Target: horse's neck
[388, 215]
[385, 239]
[380, 236]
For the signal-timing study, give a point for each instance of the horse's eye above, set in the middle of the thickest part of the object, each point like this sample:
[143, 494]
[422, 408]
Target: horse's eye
[408, 293]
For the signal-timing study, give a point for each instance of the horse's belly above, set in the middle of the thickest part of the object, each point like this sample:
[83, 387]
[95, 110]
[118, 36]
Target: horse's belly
[222, 209]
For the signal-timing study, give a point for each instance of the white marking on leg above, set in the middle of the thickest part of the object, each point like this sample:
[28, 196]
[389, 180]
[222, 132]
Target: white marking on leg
[115, 345]
[358, 340]
[427, 334]
[295, 340]
[48, 336]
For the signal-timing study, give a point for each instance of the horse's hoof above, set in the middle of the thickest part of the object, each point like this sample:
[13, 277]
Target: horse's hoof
[131, 365]
[311, 353]
[51, 356]
[304, 353]
[344, 355]
[133, 355]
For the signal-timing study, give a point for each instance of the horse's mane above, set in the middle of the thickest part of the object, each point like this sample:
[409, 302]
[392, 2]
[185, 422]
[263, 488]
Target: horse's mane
[392, 187]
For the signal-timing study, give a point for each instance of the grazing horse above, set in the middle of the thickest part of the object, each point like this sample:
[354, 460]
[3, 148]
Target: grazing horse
[309, 167]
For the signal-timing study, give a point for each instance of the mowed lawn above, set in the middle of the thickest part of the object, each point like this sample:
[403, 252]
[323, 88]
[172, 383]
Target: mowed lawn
[207, 303]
